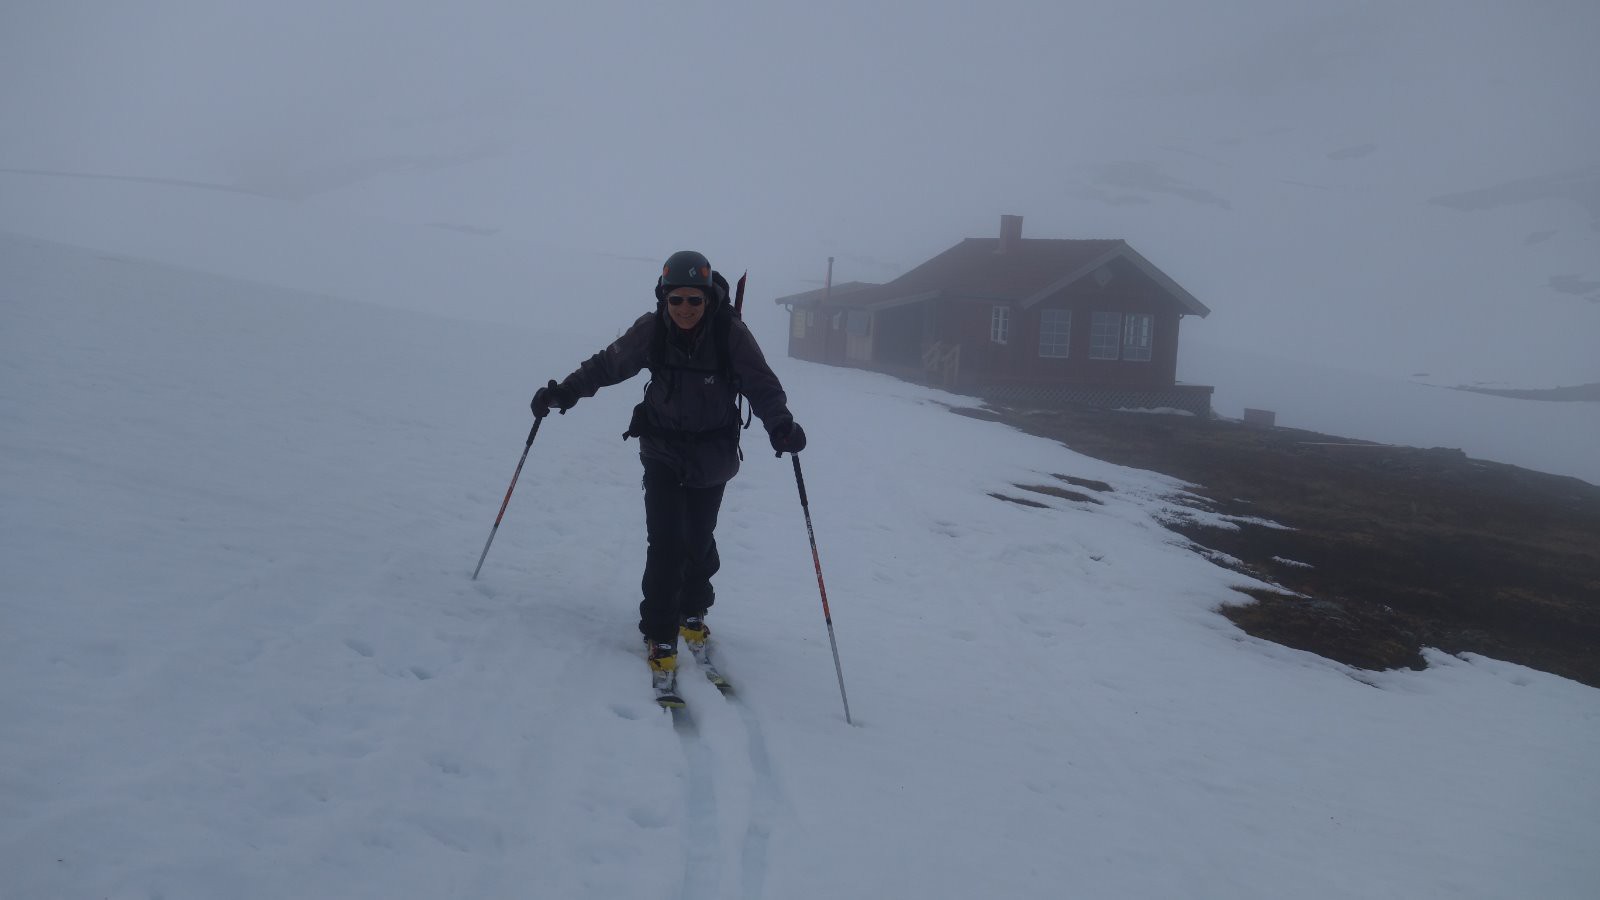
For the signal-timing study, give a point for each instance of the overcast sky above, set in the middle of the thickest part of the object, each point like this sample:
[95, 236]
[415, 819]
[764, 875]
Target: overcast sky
[1417, 181]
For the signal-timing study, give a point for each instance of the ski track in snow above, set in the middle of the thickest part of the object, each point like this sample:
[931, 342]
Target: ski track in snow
[731, 796]
[764, 808]
[702, 841]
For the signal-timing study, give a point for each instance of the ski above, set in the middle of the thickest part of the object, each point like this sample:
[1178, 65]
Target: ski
[664, 672]
[702, 658]
[665, 685]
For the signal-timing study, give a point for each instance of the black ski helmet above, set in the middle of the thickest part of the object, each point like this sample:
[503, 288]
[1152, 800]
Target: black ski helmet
[686, 268]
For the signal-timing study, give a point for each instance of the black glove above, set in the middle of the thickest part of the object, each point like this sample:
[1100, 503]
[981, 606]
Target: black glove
[788, 438]
[553, 396]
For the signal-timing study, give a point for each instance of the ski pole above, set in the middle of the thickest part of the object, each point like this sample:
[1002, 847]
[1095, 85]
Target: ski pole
[816, 561]
[507, 501]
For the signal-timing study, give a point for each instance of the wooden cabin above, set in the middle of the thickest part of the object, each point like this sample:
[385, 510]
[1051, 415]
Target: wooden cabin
[1016, 319]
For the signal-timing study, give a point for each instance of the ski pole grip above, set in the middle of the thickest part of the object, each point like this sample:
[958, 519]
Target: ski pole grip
[799, 480]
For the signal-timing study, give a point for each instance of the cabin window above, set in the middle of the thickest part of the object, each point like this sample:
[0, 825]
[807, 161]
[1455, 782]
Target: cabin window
[1000, 324]
[1055, 332]
[797, 324]
[1105, 335]
[1137, 329]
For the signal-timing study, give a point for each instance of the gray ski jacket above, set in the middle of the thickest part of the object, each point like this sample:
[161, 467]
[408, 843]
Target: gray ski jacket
[688, 419]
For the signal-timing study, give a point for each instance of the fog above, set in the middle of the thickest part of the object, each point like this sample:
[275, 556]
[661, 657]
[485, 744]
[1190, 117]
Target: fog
[1398, 188]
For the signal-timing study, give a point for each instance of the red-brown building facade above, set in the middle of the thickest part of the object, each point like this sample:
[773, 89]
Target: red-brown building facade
[1024, 320]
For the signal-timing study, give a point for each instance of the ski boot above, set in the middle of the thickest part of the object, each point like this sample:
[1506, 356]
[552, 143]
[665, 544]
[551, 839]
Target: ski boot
[694, 632]
[663, 659]
[697, 636]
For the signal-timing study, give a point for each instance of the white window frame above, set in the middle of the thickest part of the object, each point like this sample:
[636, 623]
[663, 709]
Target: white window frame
[1105, 335]
[1000, 324]
[1052, 330]
[797, 324]
[1138, 336]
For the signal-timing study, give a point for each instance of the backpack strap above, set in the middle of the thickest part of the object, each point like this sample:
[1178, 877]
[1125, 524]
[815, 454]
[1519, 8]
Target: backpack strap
[722, 333]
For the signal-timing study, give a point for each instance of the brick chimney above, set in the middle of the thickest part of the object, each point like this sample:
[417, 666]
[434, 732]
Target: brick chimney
[1010, 233]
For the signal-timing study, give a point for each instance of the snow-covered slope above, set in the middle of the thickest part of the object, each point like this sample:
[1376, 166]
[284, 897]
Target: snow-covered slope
[242, 655]
[1547, 436]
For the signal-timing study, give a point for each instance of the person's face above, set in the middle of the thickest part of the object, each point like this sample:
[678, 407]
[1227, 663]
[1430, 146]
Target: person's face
[686, 305]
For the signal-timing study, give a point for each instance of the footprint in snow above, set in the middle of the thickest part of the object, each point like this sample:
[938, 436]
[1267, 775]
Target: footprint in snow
[624, 711]
[446, 763]
[647, 818]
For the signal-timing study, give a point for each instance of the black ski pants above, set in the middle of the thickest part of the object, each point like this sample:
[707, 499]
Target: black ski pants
[682, 553]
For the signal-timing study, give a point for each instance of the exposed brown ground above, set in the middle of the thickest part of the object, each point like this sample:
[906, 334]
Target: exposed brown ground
[1403, 547]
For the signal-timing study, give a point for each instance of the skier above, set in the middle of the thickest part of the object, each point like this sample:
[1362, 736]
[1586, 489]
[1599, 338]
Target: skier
[701, 358]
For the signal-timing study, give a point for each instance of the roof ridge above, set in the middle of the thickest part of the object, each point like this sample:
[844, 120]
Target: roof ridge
[1039, 240]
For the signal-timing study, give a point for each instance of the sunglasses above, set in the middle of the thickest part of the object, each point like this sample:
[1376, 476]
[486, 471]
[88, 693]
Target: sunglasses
[692, 301]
